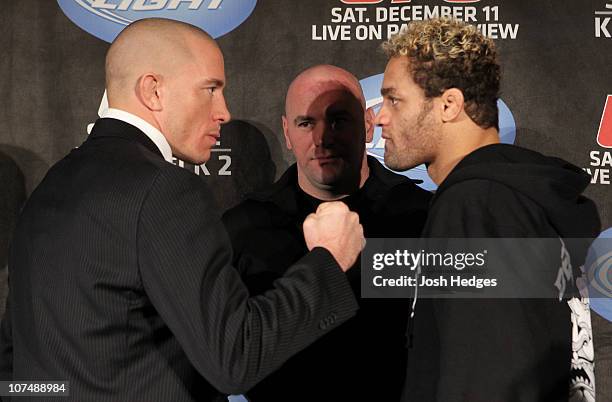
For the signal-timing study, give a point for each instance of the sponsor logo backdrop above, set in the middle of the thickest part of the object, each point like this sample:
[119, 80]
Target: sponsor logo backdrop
[555, 99]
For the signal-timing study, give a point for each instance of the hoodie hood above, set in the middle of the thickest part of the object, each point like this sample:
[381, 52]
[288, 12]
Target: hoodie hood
[552, 183]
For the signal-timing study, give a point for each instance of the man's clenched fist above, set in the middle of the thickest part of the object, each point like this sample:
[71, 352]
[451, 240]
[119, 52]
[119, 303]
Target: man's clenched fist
[337, 229]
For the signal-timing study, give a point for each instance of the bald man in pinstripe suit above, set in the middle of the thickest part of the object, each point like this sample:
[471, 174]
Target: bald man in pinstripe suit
[120, 276]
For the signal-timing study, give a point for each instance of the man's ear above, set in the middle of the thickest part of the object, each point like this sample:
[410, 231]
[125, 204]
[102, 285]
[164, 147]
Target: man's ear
[286, 131]
[452, 104]
[148, 91]
[369, 124]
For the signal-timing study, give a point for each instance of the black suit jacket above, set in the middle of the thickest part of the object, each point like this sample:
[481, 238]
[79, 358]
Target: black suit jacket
[120, 282]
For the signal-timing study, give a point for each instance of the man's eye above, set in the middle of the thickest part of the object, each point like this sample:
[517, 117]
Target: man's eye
[305, 124]
[211, 90]
[393, 100]
[338, 123]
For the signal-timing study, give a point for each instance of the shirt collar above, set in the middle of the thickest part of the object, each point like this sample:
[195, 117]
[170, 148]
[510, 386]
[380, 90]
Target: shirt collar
[154, 134]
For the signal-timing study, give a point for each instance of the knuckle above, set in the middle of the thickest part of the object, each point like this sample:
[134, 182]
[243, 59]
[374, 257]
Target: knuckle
[310, 220]
[324, 206]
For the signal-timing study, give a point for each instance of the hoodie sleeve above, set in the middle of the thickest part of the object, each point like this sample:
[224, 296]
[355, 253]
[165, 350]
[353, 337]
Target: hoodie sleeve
[493, 350]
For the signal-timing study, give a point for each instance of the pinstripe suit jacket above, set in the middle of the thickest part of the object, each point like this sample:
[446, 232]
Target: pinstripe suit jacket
[120, 283]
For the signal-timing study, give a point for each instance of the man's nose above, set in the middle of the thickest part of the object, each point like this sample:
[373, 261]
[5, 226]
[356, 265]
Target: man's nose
[222, 114]
[323, 136]
[382, 117]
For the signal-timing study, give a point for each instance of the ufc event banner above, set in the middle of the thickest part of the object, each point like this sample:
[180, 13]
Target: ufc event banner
[556, 93]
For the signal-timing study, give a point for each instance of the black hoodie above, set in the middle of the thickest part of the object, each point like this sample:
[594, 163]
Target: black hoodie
[501, 350]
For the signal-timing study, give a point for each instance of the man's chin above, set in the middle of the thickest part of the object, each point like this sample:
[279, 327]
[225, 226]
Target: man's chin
[395, 162]
[396, 165]
[195, 159]
[326, 177]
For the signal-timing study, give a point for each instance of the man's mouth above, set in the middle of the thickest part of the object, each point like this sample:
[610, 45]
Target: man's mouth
[325, 158]
[215, 135]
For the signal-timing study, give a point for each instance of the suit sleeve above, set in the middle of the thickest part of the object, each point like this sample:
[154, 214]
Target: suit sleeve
[232, 340]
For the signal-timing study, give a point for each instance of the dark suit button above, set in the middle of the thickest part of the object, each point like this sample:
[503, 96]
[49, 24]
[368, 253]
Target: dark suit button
[327, 321]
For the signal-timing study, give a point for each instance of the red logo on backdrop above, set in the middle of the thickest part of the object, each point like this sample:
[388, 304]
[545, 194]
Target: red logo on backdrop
[604, 135]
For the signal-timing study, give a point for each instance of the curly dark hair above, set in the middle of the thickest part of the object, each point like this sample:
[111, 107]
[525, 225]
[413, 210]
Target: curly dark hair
[446, 53]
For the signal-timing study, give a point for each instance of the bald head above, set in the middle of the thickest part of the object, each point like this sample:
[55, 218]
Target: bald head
[150, 45]
[321, 78]
[326, 126]
[171, 75]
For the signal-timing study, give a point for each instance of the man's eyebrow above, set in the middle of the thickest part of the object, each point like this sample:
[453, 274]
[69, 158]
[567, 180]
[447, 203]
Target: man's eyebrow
[339, 112]
[387, 91]
[300, 119]
[212, 81]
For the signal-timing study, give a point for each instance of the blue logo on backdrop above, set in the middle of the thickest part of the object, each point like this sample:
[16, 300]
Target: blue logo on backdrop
[371, 89]
[599, 269]
[106, 18]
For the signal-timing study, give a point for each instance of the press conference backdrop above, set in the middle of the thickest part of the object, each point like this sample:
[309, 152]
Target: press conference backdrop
[556, 92]
[556, 88]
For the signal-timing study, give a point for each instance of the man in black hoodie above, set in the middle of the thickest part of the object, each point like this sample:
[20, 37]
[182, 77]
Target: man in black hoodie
[440, 94]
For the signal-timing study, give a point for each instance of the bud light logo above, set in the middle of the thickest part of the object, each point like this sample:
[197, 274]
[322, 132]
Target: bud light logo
[599, 274]
[106, 18]
[371, 89]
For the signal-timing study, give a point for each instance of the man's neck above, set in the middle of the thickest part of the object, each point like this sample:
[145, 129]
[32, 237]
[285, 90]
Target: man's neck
[456, 146]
